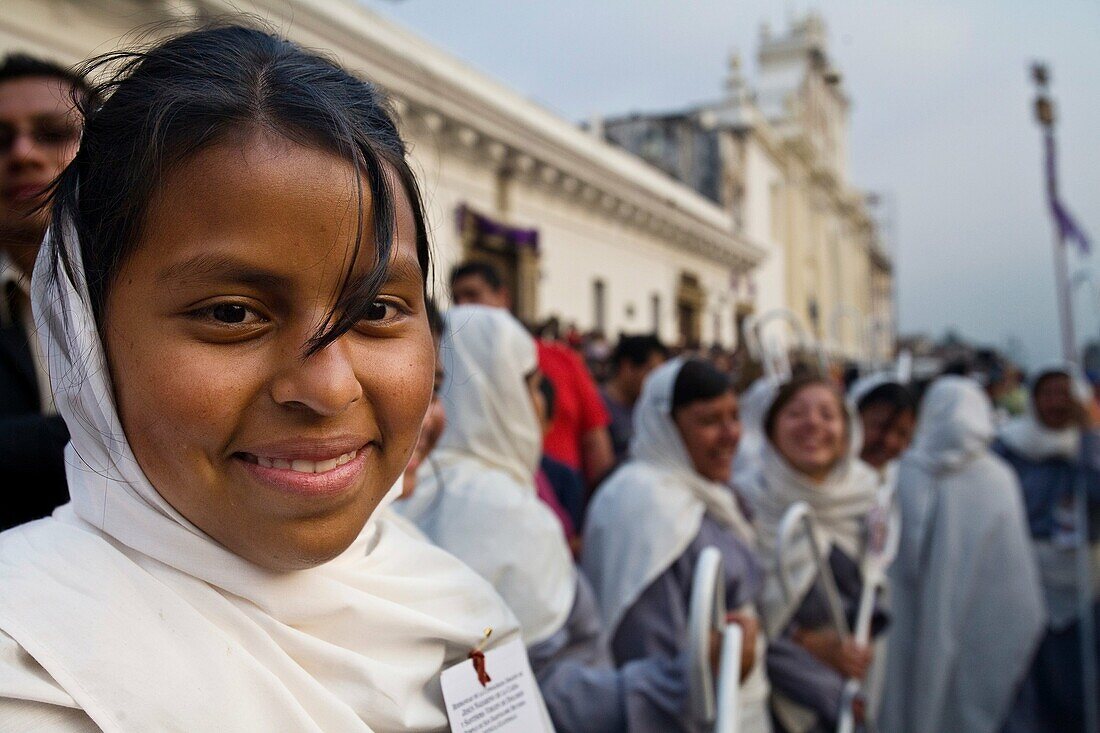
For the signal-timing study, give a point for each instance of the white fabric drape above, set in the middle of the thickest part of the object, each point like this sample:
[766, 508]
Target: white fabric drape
[149, 624]
[966, 601]
[476, 495]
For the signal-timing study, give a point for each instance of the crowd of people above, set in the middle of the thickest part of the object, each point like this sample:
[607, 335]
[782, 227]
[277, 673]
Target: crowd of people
[255, 480]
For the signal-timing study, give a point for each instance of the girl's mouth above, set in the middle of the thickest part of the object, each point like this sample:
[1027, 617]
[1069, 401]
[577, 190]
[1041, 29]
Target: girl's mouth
[323, 477]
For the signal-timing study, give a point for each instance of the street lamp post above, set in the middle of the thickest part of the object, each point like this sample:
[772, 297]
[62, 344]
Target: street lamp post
[1044, 114]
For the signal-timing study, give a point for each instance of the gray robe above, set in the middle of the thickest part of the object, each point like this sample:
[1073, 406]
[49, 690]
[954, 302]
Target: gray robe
[798, 675]
[584, 692]
[656, 625]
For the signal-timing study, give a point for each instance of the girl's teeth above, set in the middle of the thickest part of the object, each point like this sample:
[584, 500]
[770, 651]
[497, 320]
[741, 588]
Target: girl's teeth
[304, 466]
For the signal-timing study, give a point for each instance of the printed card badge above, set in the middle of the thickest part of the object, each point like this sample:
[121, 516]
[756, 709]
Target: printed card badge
[494, 692]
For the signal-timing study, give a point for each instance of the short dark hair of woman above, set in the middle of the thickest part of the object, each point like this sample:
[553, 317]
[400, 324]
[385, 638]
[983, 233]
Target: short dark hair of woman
[897, 396]
[206, 86]
[637, 349]
[789, 391]
[477, 268]
[697, 381]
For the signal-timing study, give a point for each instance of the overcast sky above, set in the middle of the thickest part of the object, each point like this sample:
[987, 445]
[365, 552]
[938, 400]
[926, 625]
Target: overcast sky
[941, 120]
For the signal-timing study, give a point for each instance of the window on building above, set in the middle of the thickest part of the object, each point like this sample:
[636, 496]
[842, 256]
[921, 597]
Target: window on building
[599, 305]
[655, 311]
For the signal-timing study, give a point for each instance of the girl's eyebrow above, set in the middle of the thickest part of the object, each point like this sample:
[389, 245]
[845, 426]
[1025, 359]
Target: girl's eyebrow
[211, 267]
[403, 267]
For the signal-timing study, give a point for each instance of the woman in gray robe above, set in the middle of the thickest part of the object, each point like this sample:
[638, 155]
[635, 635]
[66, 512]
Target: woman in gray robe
[649, 522]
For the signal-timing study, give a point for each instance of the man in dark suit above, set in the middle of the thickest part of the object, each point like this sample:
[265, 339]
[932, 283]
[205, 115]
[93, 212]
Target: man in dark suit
[39, 135]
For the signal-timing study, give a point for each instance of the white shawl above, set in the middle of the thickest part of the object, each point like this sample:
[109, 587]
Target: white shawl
[966, 601]
[840, 505]
[148, 624]
[476, 495]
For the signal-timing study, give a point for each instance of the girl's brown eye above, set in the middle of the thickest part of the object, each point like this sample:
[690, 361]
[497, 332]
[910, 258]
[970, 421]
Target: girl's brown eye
[229, 313]
[380, 310]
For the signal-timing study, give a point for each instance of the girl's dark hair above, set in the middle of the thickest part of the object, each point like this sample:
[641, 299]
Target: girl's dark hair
[897, 396]
[205, 86]
[788, 392]
[698, 380]
[1046, 376]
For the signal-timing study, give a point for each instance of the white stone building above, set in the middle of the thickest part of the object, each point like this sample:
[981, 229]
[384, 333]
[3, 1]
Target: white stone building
[584, 230]
[774, 156]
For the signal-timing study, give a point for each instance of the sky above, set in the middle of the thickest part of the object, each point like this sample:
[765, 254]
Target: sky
[941, 122]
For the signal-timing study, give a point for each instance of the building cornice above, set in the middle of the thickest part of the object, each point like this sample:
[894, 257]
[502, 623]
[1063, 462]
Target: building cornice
[495, 123]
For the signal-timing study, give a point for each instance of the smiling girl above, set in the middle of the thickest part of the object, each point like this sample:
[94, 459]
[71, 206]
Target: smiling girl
[810, 454]
[232, 298]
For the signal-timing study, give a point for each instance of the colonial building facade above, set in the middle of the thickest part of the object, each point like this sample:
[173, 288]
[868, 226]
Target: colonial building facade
[582, 229]
[775, 159]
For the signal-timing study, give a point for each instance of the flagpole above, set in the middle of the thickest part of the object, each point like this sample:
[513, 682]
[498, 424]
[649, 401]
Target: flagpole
[1044, 112]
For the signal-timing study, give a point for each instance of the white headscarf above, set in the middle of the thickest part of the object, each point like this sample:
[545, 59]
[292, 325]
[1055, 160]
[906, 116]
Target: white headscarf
[149, 624]
[965, 594]
[840, 505]
[650, 510]
[476, 495]
[1028, 437]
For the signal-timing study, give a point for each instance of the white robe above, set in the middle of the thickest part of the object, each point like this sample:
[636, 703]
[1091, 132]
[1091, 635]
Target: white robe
[119, 612]
[967, 605]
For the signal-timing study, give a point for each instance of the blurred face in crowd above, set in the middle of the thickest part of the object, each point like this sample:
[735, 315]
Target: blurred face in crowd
[39, 136]
[710, 430]
[474, 289]
[887, 432]
[279, 456]
[810, 431]
[1055, 405]
[630, 376]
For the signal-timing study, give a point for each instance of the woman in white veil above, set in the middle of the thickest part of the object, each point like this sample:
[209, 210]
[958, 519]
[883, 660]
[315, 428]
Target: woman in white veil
[649, 522]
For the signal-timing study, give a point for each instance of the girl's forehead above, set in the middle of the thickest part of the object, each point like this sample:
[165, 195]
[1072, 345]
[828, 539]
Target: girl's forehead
[815, 395]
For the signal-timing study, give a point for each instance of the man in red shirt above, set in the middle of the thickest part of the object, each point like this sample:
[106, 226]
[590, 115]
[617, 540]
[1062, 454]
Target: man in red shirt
[578, 435]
